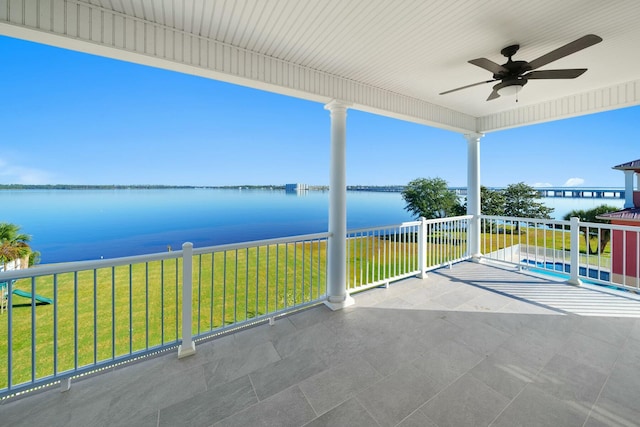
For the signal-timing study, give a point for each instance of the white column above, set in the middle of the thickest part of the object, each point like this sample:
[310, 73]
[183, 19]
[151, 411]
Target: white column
[628, 188]
[473, 193]
[337, 295]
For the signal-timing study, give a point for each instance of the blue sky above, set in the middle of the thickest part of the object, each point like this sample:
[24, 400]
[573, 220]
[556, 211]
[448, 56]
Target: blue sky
[72, 118]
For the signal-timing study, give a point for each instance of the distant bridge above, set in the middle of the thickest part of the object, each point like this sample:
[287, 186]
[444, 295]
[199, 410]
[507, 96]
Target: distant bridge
[568, 192]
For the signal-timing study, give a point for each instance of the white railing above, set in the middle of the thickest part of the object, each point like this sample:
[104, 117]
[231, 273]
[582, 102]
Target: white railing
[446, 241]
[378, 256]
[533, 242]
[256, 280]
[613, 255]
[603, 254]
[64, 320]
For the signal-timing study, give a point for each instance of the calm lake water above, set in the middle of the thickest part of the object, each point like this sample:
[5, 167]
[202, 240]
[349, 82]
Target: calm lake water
[73, 225]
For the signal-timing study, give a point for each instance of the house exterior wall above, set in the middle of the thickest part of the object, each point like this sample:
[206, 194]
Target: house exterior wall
[624, 254]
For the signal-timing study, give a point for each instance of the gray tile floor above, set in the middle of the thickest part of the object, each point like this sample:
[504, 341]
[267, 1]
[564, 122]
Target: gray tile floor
[474, 345]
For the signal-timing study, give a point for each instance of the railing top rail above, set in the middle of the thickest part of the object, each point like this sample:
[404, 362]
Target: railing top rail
[384, 227]
[534, 220]
[410, 224]
[563, 222]
[448, 219]
[610, 226]
[70, 267]
[254, 243]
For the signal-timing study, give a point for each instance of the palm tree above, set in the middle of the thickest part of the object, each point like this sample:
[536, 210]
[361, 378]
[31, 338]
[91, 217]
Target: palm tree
[591, 216]
[13, 244]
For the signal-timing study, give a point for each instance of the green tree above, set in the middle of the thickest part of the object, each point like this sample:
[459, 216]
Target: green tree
[521, 201]
[591, 215]
[492, 202]
[13, 244]
[431, 198]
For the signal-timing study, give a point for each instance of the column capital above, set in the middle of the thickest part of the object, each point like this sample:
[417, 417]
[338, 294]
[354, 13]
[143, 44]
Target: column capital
[473, 136]
[336, 104]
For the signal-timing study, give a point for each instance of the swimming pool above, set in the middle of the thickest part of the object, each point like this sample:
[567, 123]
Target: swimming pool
[592, 273]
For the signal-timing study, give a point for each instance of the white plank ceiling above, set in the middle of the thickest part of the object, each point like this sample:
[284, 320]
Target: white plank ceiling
[391, 57]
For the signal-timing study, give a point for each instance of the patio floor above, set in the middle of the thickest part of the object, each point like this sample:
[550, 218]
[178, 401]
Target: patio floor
[475, 345]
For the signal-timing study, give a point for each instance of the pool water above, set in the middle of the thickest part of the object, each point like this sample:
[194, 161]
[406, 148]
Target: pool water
[592, 273]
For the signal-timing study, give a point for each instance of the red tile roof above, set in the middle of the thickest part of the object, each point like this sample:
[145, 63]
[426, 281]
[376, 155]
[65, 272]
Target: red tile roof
[631, 214]
[633, 165]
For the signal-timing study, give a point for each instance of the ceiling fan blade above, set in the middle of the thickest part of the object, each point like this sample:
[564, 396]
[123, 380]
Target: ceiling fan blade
[488, 65]
[556, 74]
[467, 86]
[568, 49]
[494, 94]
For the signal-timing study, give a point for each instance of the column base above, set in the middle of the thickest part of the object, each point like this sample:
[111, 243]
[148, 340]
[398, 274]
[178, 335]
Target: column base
[477, 258]
[575, 282]
[339, 305]
[186, 351]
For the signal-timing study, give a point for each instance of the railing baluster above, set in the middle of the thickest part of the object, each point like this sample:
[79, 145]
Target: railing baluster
[33, 330]
[246, 285]
[277, 297]
[55, 327]
[199, 292]
[224, 288]
[286, 275]
[257, 280]
[95, 316]
[9, 335]
[162, 302]
[304, 265]
[310, 270]
[266, 300]
[130, 308]
[235, 289]
[113, 313]
[177, 299]
[213, 295]
[624, 259]
[146, 304]
[75, 319]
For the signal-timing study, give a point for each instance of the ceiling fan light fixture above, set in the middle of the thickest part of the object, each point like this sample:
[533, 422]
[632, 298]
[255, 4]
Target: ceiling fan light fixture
[511, 88]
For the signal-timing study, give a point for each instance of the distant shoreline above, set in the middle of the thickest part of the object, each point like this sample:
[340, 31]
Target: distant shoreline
[391, 188]
[372, 188]
[144, 187]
